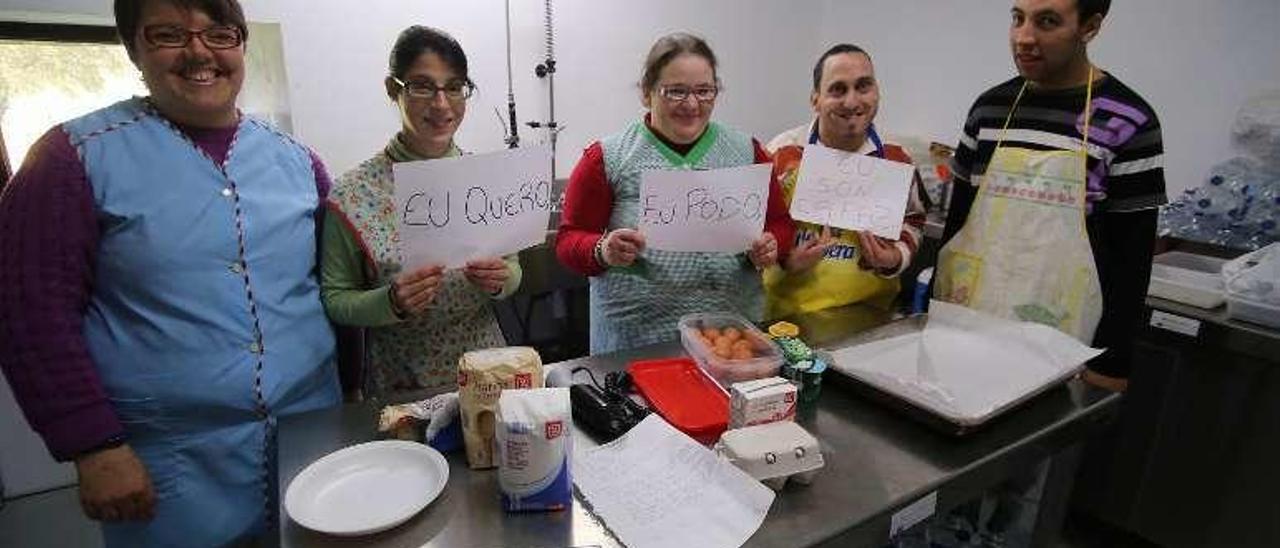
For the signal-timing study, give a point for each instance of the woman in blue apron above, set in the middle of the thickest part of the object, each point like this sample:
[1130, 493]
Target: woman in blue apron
[201, 317]
[639, 294]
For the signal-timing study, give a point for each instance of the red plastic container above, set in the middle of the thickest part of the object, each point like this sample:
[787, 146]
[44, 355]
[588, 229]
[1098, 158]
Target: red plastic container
[679, 391]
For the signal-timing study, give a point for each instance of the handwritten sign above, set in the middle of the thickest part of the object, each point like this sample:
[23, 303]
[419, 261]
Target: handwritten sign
[452, 210]
[851, 191]
[719, 211]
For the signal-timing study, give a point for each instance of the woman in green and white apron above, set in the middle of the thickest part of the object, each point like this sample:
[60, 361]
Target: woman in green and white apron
[420, 318]
[639, 294]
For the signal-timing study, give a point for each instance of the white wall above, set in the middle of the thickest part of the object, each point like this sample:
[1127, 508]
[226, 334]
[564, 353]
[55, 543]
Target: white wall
[1194, 61]
[337, 58]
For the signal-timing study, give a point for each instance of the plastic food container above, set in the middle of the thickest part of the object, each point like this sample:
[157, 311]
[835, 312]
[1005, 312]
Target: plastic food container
[765, 358]
[1188, 278]
[683, 395]
[773, 452]
[1247, 310]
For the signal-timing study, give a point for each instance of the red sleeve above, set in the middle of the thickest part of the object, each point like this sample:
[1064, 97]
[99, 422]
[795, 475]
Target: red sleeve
[588, 203]
[48, 239]
[777, 219]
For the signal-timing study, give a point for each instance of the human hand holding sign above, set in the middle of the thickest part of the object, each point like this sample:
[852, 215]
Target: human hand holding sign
[878, 253]
[489, 274]
[807, 254]
[413, 291]
[764, 251]
[621, 247]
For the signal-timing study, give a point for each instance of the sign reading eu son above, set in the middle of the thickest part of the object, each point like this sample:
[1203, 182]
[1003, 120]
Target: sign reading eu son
[719, 210]
[453, 210]
[851, 191]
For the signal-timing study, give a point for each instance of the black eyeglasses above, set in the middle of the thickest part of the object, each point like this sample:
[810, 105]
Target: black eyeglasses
[456, 90]
[677, 94]
[176, 36]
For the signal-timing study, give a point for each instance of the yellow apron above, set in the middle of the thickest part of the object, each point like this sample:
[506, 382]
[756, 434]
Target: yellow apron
[1024, 251]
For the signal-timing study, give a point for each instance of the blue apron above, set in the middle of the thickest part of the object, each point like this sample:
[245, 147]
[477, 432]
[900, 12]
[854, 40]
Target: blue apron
[205, 319]
[871, 135]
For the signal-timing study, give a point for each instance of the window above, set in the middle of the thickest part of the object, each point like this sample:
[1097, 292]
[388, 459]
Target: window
[53, 73]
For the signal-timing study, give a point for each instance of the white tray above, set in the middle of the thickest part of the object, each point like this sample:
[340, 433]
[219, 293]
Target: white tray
[1188, 278]
[972, 368]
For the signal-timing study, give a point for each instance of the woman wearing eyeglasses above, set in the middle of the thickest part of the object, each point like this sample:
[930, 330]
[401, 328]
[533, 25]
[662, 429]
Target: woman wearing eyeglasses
[421, 317]
[639, 294]
[158, 292]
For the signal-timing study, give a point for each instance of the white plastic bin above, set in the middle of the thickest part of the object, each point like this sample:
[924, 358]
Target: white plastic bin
[1188, 278]
[1253, 311]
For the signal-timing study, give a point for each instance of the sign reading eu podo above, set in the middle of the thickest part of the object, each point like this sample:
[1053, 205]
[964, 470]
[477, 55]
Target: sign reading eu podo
[719, 210]
[851, 191]
[452, 210]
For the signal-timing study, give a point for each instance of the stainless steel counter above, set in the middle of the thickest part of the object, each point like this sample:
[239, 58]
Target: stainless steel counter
[1191, 461]
[877, 463]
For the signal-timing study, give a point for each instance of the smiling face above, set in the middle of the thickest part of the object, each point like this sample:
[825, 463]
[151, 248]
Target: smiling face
[846, 100]
[681, 122]
[191, 85]
[1048, 42]
[429, 123]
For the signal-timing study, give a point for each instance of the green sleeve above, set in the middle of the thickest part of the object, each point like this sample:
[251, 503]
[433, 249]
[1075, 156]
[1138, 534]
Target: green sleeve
[343, 283]
[513, 279]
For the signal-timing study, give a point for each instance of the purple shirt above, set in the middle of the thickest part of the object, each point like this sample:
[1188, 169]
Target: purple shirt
[48, 242]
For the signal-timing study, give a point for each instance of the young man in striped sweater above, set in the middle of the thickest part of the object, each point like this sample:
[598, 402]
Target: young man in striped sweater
[1027, 181]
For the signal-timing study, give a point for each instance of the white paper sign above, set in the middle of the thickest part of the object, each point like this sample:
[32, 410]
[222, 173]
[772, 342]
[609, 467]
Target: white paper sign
[718, 210]
[452, 210]
[655, 487]
[851, 191]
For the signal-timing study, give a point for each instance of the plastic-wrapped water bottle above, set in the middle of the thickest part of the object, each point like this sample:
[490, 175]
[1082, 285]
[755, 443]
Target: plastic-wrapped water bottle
[920, 296]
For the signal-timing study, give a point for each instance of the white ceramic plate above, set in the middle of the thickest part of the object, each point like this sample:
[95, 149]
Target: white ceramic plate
[366, 488]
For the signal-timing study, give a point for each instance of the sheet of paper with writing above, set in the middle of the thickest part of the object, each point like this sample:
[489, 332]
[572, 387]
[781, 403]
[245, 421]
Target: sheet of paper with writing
[656, 487]
[851, 191]
[720, 210]
[452, 210]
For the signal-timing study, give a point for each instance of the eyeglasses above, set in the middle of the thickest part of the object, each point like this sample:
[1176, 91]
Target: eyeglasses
[175, 36]
[677, 94]
[426, 89]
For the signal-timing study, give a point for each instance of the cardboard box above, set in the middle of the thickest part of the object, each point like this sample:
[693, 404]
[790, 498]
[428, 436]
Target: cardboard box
[761, 402]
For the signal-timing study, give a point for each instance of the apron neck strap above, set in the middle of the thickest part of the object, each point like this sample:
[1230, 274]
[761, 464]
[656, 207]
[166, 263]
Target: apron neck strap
[1088, 114]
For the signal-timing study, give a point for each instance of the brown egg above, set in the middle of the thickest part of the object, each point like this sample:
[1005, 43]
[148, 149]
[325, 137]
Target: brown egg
[711, 333]
[732, 333]
[741, 344]
[742, 354]
[724, 352]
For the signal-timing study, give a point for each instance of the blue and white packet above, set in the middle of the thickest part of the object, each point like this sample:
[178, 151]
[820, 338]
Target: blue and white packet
[534, 439]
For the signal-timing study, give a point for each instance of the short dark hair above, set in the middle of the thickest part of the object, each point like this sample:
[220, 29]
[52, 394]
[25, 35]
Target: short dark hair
[1089, 8]
[419, 39]
[669, 47]
[223, 12]
[835, 50]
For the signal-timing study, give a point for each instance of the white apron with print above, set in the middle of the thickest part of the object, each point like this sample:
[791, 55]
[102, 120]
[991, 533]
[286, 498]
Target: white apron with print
[1024, 251]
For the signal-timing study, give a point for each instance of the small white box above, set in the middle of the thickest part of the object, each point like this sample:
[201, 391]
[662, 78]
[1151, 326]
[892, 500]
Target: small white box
[773, 452]
[761, 401]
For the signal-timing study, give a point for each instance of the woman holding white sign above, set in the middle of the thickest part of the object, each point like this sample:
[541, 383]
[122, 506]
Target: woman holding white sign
[421, 320]
[638, 294]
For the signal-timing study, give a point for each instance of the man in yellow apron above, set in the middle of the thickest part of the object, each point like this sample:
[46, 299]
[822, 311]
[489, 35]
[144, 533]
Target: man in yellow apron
[830, 267]
[1057, 179]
